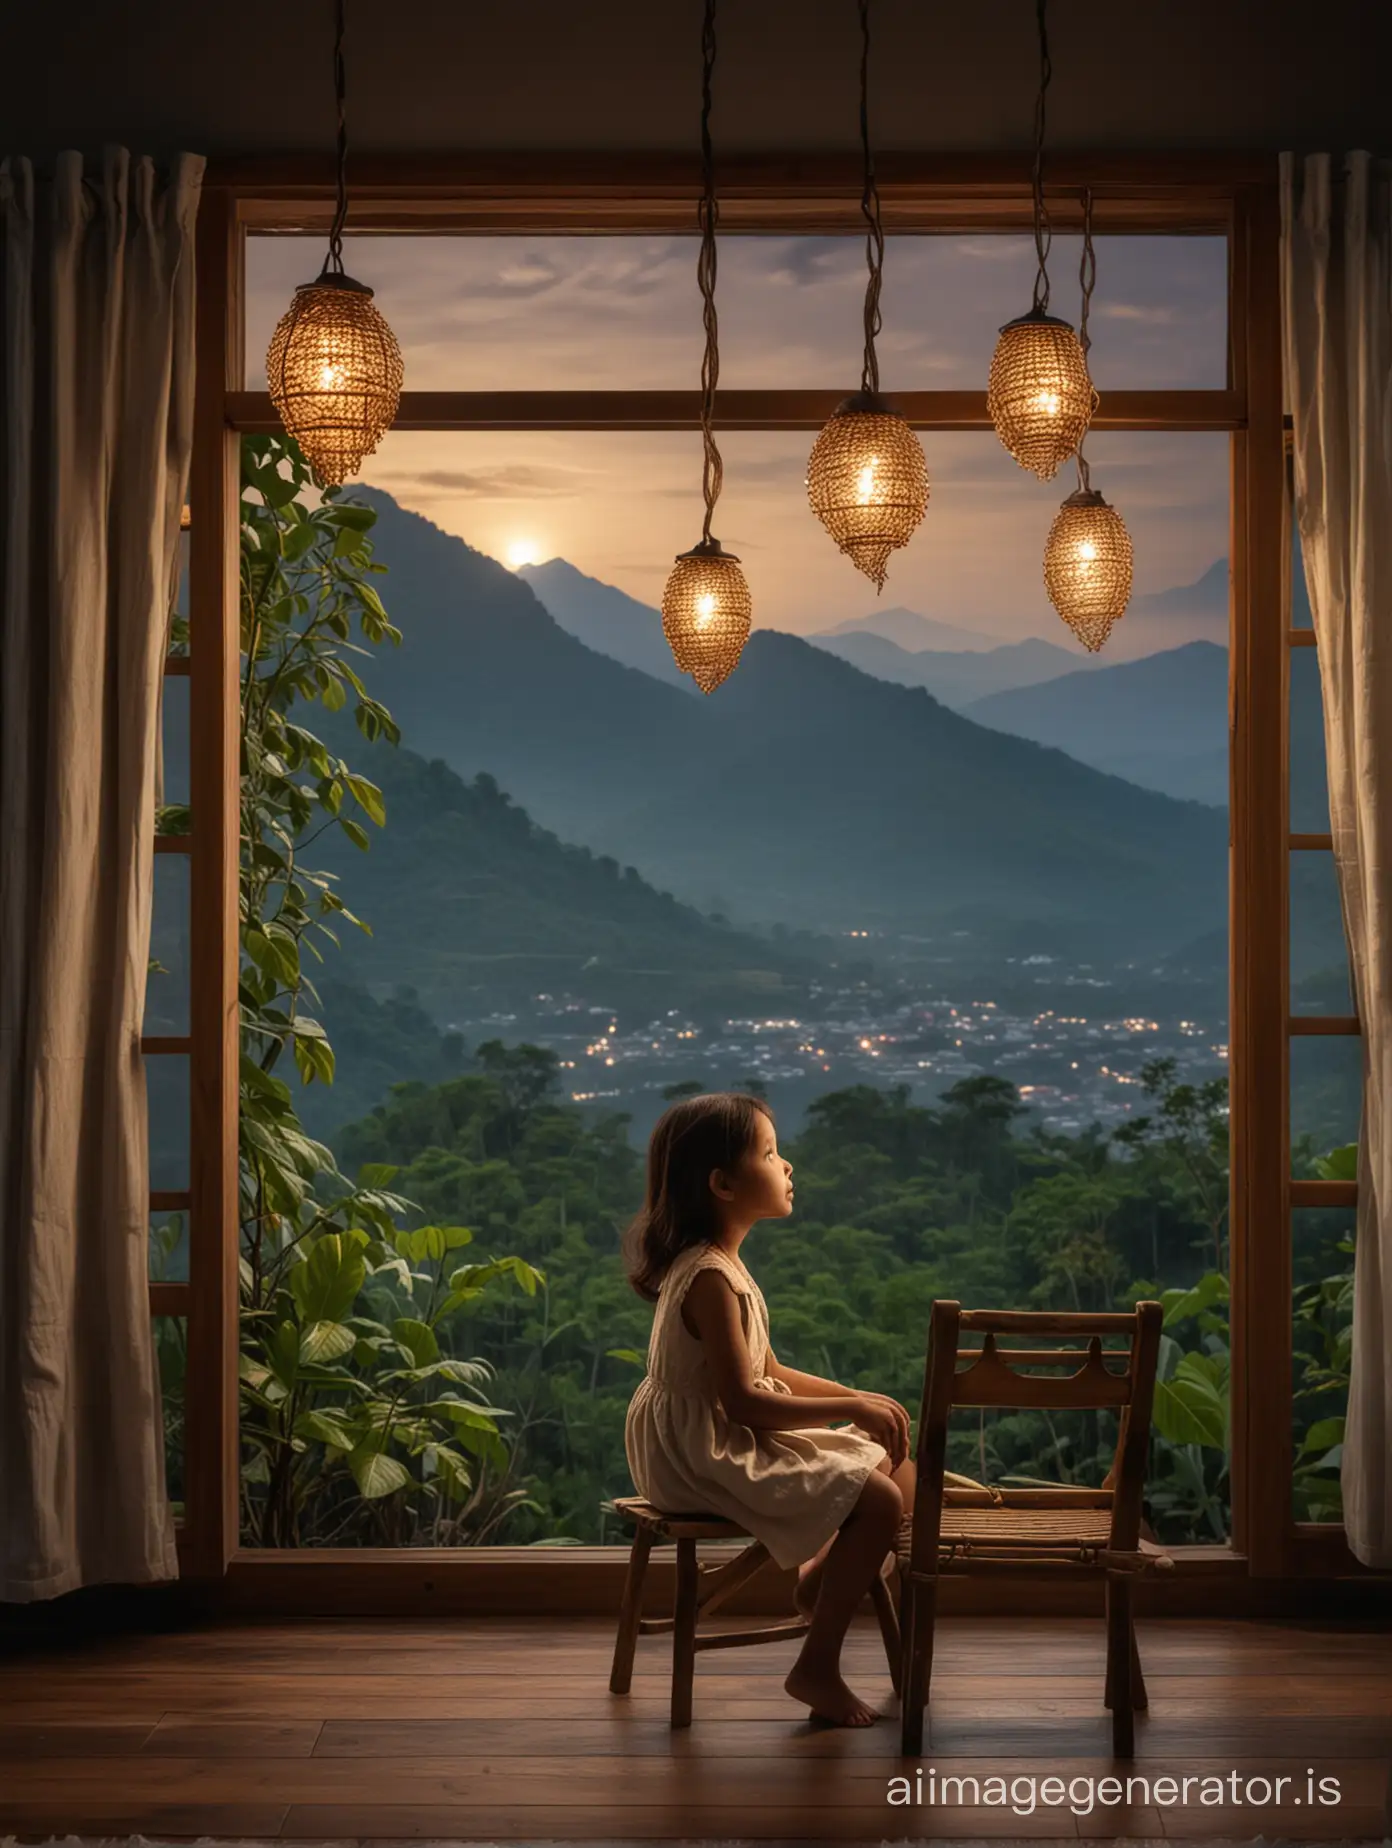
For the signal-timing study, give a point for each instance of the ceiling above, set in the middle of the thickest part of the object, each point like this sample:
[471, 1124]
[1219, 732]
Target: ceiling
[596, 74]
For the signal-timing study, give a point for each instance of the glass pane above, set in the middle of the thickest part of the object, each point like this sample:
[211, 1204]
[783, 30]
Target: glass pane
[167, 986]
[927, 917]
[169, 1251]
[178, 630]
[1326, 1080]
[1301, 615]
[167, 1087]
[174, 739]
[171, 1348]
[1309, 790]
[1322, 1259]
[1320, 981]
[550, 312]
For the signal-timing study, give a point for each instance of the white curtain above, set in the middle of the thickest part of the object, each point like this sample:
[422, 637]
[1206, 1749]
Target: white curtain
[97, 407]
[1337, 289]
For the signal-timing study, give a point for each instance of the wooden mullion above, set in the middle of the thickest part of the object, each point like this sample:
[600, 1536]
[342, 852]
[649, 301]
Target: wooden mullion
[1307, 1026]
[1323, 1193]
[1310, 843]
[253, 412]
[1260, 1250]
[170, 1199]
[170, 1298]
[164, 1045]
[173, 843]
[177, 666]
[211, 1401]
[1301, 638]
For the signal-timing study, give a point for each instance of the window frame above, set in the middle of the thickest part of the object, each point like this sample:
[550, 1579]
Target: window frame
[1235, 196]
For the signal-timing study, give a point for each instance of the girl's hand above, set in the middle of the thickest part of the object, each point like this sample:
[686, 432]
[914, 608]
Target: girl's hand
[899, 1412]
[877, 1420]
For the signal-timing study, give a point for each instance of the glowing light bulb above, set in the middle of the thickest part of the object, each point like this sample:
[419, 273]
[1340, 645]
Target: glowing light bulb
[330, 378]
[1048, 402]
[865, 483]
[705, 609]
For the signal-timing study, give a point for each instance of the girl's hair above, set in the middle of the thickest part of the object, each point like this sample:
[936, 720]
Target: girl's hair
[688, 1141]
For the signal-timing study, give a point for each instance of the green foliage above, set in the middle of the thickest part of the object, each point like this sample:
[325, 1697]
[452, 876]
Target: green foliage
[360, 1421]
[897, 1204]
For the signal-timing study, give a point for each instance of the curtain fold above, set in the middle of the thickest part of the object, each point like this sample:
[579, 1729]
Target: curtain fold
[1337, 301]
[98, 415]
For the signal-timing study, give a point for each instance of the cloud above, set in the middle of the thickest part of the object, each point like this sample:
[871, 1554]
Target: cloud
[1132, 311]
[521, 482]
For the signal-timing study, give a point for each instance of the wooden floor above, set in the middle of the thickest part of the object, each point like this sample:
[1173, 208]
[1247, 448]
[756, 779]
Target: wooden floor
[505, 1729]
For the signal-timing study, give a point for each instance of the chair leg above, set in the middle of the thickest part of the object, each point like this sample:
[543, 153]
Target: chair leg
[916, 1658]
[889, 1627]
[1139, 1699]
[1120, 1691]
[684, 1632]
[621, 1675]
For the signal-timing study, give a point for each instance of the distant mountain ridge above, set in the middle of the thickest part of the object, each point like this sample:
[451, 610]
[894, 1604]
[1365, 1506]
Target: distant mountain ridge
[802, 790]
[1161, 722]
[605, 618]
[957, 677]
[912, 632]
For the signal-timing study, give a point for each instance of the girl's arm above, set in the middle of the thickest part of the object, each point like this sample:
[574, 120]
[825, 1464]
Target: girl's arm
[808, 1384]
[715, 1311]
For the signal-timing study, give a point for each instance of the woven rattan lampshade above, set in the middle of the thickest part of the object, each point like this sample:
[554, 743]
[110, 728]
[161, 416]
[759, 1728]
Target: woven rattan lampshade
[334, 372]
[867, 481]
[1039, 395]
[1087, 566]
[706, 609]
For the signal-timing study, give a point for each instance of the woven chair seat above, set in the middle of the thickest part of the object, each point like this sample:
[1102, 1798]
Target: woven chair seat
[1052, 1536]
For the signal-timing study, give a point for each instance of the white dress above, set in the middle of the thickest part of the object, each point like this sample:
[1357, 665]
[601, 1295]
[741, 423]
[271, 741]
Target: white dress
[790, 1489]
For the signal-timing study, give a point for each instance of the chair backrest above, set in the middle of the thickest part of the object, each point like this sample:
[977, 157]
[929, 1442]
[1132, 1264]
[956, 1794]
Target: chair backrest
[1120, 1377]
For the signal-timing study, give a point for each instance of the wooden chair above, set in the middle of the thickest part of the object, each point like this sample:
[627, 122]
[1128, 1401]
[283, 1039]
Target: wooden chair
[700, 1591]
[1034, 1533]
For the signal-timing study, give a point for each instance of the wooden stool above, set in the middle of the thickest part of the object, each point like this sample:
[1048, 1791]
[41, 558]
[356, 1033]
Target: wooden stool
[700, 1590]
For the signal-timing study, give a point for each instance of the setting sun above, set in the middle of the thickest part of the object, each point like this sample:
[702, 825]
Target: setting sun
[523, 552]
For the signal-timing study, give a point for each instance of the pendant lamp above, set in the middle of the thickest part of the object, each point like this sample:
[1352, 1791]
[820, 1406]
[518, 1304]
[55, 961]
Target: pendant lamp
[867, 478]
[334, 366]
[1088, 557]
[1039, 395]
[706, 606]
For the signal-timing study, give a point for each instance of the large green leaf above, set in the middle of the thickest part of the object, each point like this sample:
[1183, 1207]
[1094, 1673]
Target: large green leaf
[418, 1338]
[1190, 1411]
[325, 1286]
[376, 1474]
[323, 1341]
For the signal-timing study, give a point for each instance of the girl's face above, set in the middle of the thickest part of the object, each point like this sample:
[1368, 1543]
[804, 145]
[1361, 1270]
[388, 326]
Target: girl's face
[761, 1187]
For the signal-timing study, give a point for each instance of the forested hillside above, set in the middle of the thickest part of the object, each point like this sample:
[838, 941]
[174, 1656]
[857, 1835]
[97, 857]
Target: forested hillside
[803, 791]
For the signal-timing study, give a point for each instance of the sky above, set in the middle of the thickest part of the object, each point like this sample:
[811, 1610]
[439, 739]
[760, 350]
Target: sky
[537, 312]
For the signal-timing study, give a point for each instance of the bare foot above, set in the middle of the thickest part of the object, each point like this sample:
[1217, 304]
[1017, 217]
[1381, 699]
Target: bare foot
[828, 1697]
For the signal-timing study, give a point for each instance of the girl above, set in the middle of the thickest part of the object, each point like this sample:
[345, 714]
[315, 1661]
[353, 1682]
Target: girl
[720, 1424]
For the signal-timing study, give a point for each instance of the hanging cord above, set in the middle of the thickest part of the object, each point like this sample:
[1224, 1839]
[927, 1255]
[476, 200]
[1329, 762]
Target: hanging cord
[712, 471]
[1087, 276]
[870, 211]
[1043, 232]
[334, 261]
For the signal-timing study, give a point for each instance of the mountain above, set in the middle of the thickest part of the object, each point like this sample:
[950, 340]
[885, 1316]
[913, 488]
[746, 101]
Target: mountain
[1161, 620]
[472, 906]
[956, 677]
[803, 790]
[910, 631]
[1161, 722]
[605, 619]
